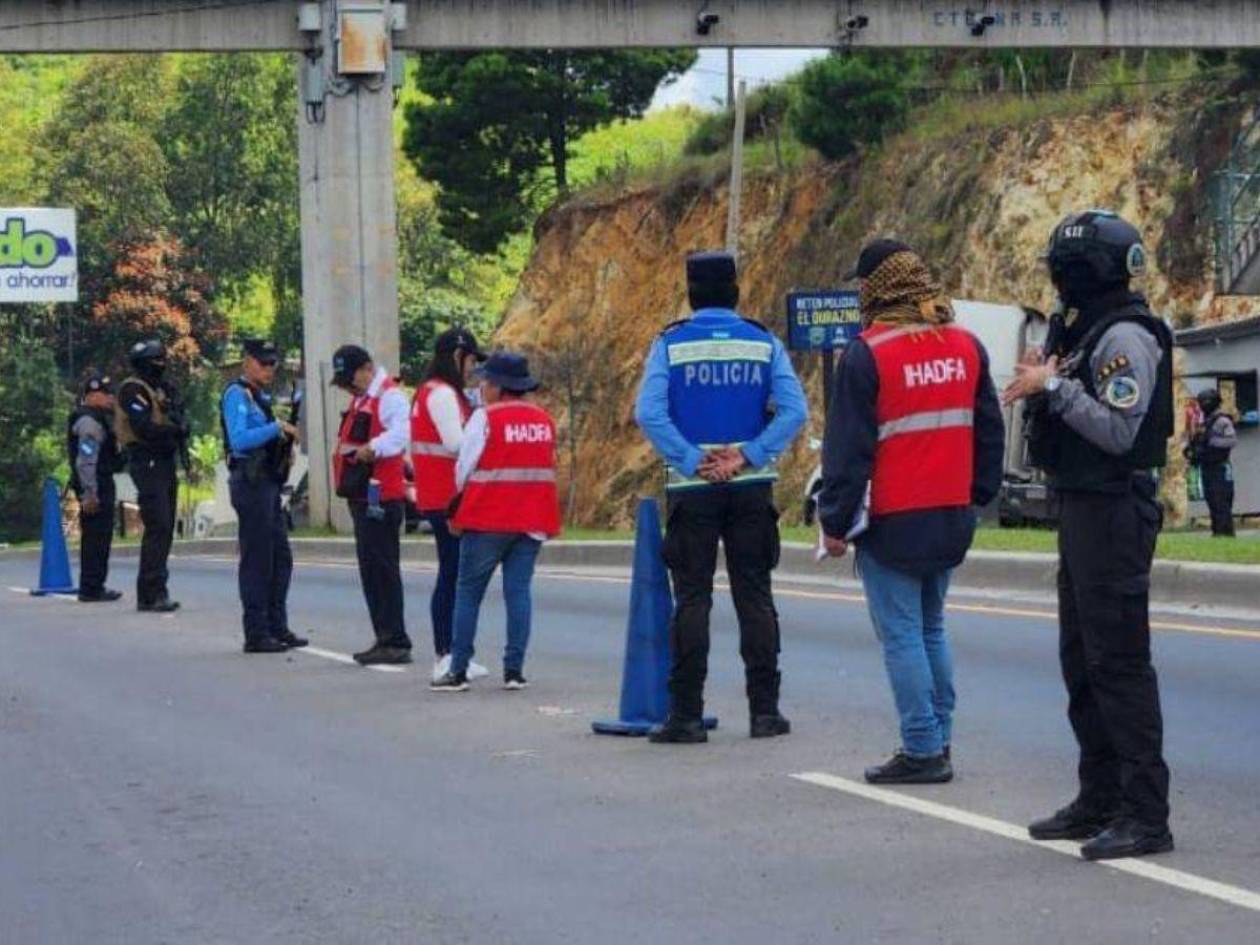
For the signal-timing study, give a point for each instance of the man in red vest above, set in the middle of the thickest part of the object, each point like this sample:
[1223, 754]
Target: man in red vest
[506, 509]
[368, 473]
[914, 440]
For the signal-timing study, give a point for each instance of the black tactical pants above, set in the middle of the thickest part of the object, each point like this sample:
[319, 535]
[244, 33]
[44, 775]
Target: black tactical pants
[745, 520]
[377, 544]
[157, 488]
[96, 538]
[1218, 490]
[266, 561]
[1106, 543]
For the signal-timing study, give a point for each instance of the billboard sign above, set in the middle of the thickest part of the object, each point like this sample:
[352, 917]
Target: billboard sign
[822, 321]
[39, 259]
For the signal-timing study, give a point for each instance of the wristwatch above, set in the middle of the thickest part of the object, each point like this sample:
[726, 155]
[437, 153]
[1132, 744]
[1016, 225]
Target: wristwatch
[1053, 383]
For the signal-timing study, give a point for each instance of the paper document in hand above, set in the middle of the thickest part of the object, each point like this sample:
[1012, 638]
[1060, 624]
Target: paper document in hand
[861, 521]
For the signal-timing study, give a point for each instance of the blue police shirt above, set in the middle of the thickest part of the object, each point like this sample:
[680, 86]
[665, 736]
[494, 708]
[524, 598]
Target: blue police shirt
[709, 382]
[247, 426]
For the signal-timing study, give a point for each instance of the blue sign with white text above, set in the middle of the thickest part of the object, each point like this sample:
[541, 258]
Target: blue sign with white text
[822, 321]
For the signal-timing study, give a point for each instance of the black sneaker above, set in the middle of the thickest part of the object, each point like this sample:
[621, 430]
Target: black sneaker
[905, 769]
[163, 605]
[679, 731]
[292, 640]
[265, 645]
[451, 682]
[1077, 821]
[104, 596]
[768, 726]
[383, 655]
[1125, 837]
[512, 679]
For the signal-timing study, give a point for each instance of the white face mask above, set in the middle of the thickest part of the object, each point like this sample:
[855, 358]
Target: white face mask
[474, 396]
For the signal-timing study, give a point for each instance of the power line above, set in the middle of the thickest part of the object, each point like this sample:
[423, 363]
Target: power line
[143, 14]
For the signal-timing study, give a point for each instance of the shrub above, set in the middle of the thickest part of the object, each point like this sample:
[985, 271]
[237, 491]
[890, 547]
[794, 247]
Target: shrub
[844, 101]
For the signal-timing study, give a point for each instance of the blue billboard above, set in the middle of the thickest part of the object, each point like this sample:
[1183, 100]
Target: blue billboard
[822, 321]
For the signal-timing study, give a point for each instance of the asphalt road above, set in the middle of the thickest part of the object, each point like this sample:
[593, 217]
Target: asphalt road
[157, 786]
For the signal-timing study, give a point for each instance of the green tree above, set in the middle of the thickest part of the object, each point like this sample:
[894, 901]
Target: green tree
[490, 123]
[847, 100]
[32, 409]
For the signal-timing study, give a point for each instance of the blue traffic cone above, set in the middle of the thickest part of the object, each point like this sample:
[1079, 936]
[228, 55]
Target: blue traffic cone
[54, 559]
[645, 675]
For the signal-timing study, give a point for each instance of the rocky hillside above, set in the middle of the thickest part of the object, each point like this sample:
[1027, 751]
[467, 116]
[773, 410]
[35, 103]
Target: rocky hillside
[978, 202]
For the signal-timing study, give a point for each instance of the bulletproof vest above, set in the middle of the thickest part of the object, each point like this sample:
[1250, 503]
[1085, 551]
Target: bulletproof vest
[122, 423]
[1211, 455]
[1073, 462]
[107, 462]
[265, 458]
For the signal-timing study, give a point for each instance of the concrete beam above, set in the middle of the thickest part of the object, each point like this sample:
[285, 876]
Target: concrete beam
[210, 25]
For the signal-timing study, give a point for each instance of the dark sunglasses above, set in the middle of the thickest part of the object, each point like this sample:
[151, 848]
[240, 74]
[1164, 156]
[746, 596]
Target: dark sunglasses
[268, 362]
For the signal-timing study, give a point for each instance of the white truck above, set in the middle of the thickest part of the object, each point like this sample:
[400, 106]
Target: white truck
[1006, 331]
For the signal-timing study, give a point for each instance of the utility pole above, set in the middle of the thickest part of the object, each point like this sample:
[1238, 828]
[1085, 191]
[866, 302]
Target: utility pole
[730, 77]
[737, 172]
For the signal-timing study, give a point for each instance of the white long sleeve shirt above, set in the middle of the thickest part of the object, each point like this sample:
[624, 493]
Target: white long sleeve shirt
[443, 407]
[395, 416]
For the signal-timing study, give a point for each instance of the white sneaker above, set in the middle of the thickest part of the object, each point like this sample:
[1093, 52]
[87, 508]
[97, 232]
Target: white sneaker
[476, 670]
[441, 667]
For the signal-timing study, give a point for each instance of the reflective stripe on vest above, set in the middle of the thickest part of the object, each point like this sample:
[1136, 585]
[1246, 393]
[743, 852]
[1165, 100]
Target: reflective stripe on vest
[433, 449]
[513, 475]
[928, 420]
[690, 352]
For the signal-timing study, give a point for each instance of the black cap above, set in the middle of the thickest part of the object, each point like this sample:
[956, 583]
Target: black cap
[345, 361]
[712, 267]
[873, 256]
[149, 351]
[261, 349]
[94, 381]
[1209, 400]
[459, 338]
[509, 371]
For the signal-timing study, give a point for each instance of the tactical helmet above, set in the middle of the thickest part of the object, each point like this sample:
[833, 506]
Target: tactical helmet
[1209, 400]
[1098, 243]
[148, 355]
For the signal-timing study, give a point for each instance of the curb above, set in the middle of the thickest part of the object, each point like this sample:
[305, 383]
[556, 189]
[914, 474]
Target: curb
[1178, 584]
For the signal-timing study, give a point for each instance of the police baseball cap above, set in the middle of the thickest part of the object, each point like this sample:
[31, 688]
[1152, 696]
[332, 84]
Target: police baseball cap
[509, 371]
[712, 268]
[345, 361]
[260, 349]
[457, 339]
[873, 256]
[95, 381]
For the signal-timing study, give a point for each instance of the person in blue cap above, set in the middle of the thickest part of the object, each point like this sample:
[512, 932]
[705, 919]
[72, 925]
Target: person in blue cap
[251, 439]
[720, 403]
[94, 459]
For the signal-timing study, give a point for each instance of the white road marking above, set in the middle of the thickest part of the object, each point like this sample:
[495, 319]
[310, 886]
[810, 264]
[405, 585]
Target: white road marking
[344, 658]
[1234, 895]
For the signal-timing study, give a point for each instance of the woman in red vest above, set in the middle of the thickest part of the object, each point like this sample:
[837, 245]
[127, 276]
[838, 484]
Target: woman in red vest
[506, 509]
[914, 440]
[439, 411]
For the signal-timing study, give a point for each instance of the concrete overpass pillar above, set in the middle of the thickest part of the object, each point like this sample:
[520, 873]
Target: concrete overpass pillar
[349, 246]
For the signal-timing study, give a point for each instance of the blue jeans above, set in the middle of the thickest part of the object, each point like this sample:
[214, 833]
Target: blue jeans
[909, 617]
[442, 603]
[479, 554]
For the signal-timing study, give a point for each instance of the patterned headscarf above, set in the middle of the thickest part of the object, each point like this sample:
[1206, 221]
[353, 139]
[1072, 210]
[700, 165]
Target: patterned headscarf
[903, 291]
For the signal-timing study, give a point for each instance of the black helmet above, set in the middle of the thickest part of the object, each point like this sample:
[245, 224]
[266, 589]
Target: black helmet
[1096, 246]
[1209, 400]
[148, 356]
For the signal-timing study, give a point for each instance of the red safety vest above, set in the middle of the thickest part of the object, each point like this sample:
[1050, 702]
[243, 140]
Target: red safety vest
[432, 463]
[513, 488]
[928, 378]
[387, 471]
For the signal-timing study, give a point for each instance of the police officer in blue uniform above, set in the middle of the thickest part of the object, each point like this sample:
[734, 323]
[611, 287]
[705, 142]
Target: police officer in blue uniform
[1101, 407]
[256, 444]
[720, 403]
[94, 458]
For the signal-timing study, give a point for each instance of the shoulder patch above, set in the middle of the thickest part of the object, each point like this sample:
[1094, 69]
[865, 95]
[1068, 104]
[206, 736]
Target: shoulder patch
[1122, 393]
[672, 325]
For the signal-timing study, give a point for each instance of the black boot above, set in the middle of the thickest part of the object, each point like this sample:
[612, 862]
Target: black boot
[103, 596]
[265, 645]
[163, 605]
[292, 640]
[763, 704]
[678, 730]
[905, 769]
[1077, 821]
[1125, 837]
[383, 655]
[768, 726]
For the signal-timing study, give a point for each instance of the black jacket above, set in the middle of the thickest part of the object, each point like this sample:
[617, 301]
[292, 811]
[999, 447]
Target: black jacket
[919, 542]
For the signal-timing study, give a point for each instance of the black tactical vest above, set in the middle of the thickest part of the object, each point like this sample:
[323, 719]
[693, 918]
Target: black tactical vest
[262, 461]
[108, 462]
[1211, 455]
[1076, 465]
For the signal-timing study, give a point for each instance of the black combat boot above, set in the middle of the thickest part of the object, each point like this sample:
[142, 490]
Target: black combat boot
[292, 640]
[383, 656]
[1125, 837]
[763, 702]
[678, 730]
[1077, 821]
[265, 645]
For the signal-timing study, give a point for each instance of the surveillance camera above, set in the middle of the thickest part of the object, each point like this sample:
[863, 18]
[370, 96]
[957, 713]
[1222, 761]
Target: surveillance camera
[982, 24]
[705, 23]
[855, 23]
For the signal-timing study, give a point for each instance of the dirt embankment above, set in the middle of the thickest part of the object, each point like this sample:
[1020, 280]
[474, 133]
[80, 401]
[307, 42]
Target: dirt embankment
[607, 276]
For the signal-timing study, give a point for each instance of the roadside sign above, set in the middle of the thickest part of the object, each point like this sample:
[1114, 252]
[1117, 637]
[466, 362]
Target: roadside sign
[823, 320]
[38, 255]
